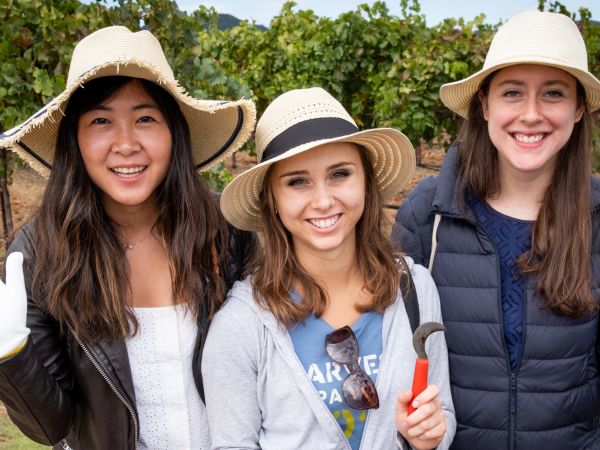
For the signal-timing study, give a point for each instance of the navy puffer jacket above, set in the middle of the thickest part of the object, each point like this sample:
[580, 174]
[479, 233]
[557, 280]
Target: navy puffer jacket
[552, 400]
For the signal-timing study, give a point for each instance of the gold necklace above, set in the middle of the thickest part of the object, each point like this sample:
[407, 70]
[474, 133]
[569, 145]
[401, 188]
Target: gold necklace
[130, 245]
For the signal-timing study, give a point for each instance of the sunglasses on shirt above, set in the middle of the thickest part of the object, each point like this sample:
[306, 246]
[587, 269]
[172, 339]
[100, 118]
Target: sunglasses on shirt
[358, 389]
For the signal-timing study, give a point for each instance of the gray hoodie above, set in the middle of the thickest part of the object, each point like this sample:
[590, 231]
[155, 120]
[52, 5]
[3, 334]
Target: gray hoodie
[258, 395]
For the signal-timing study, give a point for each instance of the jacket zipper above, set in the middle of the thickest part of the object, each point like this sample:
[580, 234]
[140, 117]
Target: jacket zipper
[120, 396]
[513, 375]
[513, 410]
[512, 391]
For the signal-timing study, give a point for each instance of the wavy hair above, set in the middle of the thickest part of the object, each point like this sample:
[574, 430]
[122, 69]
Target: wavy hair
[565, 211]
[276, 268]
[80, 274]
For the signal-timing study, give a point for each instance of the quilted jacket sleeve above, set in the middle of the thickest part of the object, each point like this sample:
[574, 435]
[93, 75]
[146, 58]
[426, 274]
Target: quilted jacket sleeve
[411, 234]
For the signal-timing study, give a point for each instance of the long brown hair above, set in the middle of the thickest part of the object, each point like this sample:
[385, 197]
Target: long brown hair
[561, 237]
[80, 274]
[276, 267]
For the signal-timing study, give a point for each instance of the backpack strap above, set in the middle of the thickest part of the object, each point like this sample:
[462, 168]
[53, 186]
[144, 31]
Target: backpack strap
[411, 301]
[436, 223]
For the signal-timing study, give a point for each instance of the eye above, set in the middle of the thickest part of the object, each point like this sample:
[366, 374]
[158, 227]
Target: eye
[100, 121]
[511, 93]
[555, 93]
[340, 174]
[297, 181]
[146, 119]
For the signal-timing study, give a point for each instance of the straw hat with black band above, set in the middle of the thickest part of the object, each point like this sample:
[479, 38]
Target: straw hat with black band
[532, 37]
[301, 120]
[217, 128]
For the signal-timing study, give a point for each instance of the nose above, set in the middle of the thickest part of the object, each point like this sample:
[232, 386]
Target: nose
[531, 112]
[125, 141]
[323, 197]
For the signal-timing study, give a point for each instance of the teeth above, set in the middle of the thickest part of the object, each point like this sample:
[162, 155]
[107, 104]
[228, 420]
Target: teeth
[529, 139]
[128, 170]
[324, 223]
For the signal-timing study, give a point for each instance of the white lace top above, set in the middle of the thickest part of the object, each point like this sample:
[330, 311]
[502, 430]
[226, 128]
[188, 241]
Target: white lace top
[171, 414]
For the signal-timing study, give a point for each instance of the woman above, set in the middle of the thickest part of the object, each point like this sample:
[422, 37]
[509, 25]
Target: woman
[517, 256]
[125, 260]
[318, 334]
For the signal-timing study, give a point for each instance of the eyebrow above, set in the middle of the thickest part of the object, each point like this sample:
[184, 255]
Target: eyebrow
[304, 172]
[135, 108]
[546, 83]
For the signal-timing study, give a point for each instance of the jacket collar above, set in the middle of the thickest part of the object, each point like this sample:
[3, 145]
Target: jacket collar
[595, 194]
[446, 198]
[115, 361]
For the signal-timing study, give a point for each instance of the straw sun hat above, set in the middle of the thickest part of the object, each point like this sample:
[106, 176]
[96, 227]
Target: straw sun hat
[532, 37]
[217, 128]
[303, 119]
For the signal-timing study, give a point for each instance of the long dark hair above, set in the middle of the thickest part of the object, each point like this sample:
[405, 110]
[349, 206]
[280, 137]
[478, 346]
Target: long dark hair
[81, 275]
[561, 241]
[276, 267]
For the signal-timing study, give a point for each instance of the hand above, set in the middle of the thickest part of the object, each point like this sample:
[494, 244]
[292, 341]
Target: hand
[13, 307]
[424, 428]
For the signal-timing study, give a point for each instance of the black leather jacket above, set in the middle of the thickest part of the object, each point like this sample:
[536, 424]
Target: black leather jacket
[62, 392]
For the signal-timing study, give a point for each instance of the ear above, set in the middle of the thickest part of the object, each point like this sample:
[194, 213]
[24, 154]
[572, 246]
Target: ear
[580, 109]
[484, 105]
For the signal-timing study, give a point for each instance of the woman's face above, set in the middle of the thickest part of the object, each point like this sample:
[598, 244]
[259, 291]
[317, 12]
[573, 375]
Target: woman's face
[531, 111]
[320, 197]
[125, 143]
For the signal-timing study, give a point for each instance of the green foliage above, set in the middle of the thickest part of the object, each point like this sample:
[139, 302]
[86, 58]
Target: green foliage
[385, 69]
[217, 177]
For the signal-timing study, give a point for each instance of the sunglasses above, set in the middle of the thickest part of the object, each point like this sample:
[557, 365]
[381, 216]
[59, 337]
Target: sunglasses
[358, 389]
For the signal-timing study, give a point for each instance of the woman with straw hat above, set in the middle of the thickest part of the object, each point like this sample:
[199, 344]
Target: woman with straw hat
[314, 349]
[509, 229]
[125, 260]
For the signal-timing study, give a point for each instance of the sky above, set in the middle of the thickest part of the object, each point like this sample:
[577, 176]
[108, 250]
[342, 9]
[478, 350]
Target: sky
[435, 11]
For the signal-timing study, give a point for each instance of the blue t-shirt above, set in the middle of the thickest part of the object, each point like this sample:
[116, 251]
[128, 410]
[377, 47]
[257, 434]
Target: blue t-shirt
[327, 376]
[512, 238]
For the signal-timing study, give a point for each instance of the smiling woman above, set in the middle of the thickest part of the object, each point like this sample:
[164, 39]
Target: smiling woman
[531, 112]
[515, 213]
[125, 142]
[317, 339]
[320, 196]
[127, 258]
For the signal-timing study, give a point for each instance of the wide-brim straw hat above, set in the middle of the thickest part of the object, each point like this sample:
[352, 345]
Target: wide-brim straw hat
[217, 128]
[301, 120]
[531, 37]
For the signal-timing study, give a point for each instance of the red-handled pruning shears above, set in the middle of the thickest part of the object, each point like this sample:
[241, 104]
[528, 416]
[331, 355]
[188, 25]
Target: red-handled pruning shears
[422, 363]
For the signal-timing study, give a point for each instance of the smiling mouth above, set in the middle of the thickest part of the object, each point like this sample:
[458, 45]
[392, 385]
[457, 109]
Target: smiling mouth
[128, 171]
[325, 223]
[529, 138]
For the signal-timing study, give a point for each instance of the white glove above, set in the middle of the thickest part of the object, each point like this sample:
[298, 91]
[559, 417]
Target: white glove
[13, 307]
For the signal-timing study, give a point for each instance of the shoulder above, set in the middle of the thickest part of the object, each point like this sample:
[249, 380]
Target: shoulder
[419, 202]
[240, 310]
[239, 301]
[420, 275]
[595, 193]
[235, 314]
[23, 241]
[424, 191]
